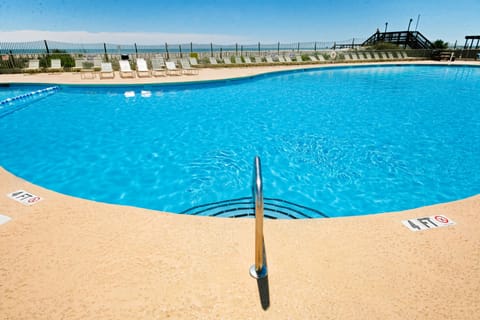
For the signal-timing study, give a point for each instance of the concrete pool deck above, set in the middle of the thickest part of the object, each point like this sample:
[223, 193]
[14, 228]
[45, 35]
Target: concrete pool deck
[68, 258]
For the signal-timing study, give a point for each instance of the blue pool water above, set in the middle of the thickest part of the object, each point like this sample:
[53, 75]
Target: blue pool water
[345, 141]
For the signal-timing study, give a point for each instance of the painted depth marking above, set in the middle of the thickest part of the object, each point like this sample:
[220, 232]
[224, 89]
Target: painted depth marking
[24, 197]
[426, 223]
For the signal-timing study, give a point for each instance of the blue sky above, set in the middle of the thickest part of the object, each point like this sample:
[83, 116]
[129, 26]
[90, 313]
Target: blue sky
[224, 22]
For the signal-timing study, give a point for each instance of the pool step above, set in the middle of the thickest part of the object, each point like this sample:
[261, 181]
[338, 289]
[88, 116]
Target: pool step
[243, 207]
[10, 105]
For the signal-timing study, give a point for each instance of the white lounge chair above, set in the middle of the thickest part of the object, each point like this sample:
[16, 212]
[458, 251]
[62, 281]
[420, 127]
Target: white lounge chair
[403, 55]
[193, 61]
[125, 69]
[247, 60]
[288, 59]
[238, 60]
[142, 68]
[367, 55]
[281, 59]
[383, 56]
[258, 59]
[158, 67]
[390, 56]
[376, 56]
[227, 60]
[213, 60]
[33, 65]
[78, 64]
[55, 65]
[97, 63]
[321, 58]
[269, 59]
[313, 58]
[298, 58]
[106, 70]
[172, 69]
[354, 56]
[187, 68]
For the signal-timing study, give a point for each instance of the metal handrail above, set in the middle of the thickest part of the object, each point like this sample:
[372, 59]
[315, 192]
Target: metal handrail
[259, 269]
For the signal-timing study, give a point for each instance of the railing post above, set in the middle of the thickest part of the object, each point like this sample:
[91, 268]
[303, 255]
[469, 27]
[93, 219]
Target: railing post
[259, 269]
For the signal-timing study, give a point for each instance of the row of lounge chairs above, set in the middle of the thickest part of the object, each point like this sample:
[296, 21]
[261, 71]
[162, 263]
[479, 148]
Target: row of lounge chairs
[160, 67]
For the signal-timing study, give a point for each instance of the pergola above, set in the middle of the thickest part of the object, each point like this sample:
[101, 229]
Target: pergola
[471, 39]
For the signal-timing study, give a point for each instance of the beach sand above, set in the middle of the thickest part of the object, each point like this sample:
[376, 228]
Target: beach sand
[68, 258]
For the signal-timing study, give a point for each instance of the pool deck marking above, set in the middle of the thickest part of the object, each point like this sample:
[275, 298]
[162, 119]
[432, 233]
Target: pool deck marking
[4, 219]
[427, 223]
[24, 197]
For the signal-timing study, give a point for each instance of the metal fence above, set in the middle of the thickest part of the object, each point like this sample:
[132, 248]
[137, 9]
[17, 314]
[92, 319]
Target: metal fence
[47, 47]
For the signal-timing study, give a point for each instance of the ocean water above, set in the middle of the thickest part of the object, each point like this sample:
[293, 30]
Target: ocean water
[345, 141]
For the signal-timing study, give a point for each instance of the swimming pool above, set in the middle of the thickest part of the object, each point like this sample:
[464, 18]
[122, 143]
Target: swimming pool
[345, 141]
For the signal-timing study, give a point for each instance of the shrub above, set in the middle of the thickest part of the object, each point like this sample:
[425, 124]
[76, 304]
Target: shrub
[439, 44]
[194, 55]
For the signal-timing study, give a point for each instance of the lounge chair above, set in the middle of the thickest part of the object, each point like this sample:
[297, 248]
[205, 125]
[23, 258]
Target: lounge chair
[142, 68]
[125, 69]
[78, 64]
[238, 60]
[313, 58]
[158, 67]
[213, 60]
[55, 65]
[193, 61]
[269, 59]
[227, 60]
[403, 55]
[288, 59]
[97, 63]
[354, 56]
[390, 56]
[321, 58]
[247, 60]
[298, 58]
[281, 59]
[258, 59]
[33, 65]
[383, 56]
[106, 70]
[172, 69]
[347, 57]
[376, 56]
[187, 68]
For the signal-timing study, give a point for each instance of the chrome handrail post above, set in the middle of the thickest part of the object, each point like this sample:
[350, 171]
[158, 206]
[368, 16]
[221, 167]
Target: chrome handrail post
[259, 269]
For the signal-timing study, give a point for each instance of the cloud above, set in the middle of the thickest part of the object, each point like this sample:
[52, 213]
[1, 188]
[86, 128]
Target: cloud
[143, 38]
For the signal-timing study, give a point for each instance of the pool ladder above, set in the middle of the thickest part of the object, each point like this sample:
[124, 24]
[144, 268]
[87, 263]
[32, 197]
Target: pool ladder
[259, 269]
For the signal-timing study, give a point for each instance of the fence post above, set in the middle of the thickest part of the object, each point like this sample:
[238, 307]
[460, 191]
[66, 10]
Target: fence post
[46, 46]
[258, 48]
[166, 50]
[298, 47]
[236, 49]
[180, 48]
[220, 53]
[105, 51]
[278, 48]
[136, 51]
[211, 49]
[191, 47]
[315, 47]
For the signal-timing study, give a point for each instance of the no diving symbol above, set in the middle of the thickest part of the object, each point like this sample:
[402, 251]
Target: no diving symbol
[441, 219]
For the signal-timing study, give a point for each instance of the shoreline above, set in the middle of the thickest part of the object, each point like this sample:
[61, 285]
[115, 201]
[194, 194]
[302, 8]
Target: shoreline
[71, 258]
